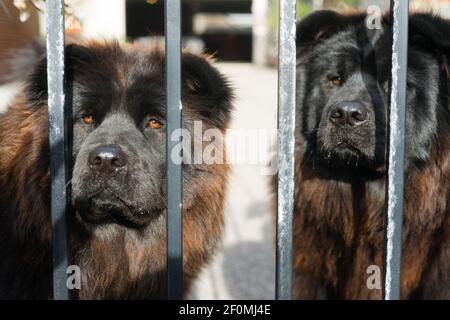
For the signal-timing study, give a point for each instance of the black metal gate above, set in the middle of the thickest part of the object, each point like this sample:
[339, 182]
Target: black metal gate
[58, 129]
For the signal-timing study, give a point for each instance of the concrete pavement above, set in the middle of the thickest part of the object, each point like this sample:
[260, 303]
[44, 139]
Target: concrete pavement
[244, 267]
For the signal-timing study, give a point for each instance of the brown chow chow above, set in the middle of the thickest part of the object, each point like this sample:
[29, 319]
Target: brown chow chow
[342, 98]
[118, 218]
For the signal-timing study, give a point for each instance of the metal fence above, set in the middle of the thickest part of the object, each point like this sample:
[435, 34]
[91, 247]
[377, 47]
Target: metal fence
[59, 159]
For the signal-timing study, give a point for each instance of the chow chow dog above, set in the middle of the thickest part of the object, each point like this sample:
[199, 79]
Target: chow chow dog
[343, 80]
[116, 96]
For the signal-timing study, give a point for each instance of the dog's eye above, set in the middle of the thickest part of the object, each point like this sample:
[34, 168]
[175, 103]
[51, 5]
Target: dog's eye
[336, 81]
[87, 119]
[153, 123]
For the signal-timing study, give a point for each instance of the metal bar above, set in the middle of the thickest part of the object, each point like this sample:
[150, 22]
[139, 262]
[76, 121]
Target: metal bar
[57, 139]
[396, 150]
[174, 173]
[286, 142]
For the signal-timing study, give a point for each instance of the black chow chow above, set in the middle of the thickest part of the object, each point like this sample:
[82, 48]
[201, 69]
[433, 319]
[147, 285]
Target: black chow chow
[342, 100]
[117, 225]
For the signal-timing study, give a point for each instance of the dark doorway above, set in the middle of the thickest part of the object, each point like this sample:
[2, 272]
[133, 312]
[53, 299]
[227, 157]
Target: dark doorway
[223, 27]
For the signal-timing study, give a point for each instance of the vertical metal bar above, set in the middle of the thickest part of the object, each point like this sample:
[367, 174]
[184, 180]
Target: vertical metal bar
[57, 139]
[174, 173]
[286, 126]
[396, 150]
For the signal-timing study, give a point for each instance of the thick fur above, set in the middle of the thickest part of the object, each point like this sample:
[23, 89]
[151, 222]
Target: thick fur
[120, 246]
[340, 171]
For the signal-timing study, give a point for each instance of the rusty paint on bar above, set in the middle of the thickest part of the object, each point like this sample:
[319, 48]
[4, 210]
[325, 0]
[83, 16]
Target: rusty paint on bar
[396, 151]
[174, 173]
[286, 127]
[57, 139]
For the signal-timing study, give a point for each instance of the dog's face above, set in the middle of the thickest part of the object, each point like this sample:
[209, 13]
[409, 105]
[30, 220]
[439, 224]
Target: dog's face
[343, 90]
[119, 135]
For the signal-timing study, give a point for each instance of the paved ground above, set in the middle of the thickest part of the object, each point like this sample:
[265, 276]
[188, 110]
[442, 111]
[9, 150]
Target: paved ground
[245, 266]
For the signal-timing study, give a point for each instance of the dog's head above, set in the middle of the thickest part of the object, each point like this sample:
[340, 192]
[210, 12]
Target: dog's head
[344, 67]
[118, 104]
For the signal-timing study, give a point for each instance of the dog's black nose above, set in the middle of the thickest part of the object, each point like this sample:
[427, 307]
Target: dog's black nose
[107, 159]
[350, 113]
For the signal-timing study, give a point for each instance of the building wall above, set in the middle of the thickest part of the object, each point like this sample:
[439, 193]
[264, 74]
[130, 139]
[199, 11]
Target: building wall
[99, 19]
[103, 19]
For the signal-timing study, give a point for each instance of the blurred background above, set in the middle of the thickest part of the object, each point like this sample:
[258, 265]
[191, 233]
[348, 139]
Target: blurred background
[242, 34]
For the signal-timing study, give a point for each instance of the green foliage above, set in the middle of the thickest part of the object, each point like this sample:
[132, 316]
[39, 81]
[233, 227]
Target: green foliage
[302, 10]
[353, 3]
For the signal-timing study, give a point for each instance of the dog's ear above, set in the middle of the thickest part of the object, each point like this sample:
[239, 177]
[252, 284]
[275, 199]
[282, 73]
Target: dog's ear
[36, 84]
[431, 33]
[209, 86]
[319, 25]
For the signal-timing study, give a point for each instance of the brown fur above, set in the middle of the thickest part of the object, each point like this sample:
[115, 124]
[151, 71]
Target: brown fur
[339, 231]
